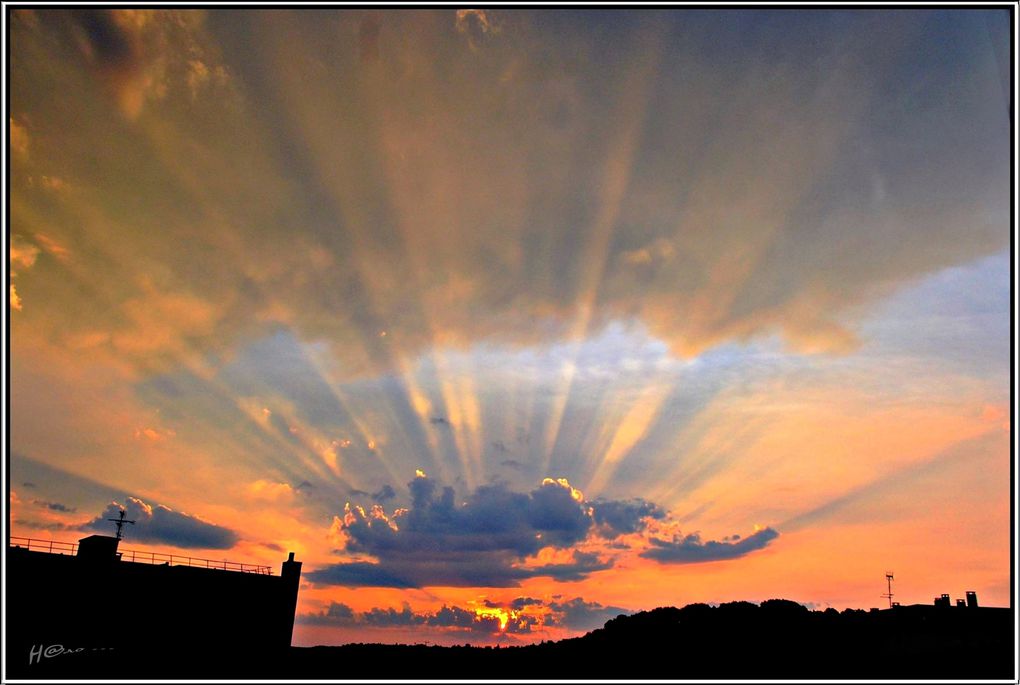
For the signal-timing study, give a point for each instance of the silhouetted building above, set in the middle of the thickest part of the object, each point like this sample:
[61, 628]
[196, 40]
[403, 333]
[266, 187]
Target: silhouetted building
[972, 599]
[98, 548]
[961, 603]
[92, 596]
[942, 601]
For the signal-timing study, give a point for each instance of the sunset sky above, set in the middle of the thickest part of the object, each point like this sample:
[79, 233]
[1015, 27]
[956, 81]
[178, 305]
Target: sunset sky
[508, 322]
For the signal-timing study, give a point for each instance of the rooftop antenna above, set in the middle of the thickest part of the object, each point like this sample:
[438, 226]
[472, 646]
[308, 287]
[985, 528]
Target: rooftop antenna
[889, 592]
[120, 523]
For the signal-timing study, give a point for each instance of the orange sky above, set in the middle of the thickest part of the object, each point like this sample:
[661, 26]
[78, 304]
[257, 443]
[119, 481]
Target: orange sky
[674, 316]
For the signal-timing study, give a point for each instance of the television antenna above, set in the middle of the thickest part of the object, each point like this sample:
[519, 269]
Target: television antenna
[120, 523]
[889, 593]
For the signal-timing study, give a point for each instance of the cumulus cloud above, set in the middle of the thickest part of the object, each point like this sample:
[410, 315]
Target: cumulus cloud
[160, 524]
[522, 615]
[690, 549]
[619, 517]
[493, 537]
[521, 602]
[447, 617]
[578, 614]
[580, 567]
[482, 541]
[386, 492]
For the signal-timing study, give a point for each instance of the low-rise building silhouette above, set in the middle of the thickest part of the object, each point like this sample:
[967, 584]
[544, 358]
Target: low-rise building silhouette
[92, 596]
[970, 603]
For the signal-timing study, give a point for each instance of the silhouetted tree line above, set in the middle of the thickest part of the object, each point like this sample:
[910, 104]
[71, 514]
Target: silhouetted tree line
[778, 639]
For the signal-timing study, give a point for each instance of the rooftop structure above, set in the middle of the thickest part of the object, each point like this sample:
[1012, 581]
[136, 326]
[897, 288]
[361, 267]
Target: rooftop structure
[59, 593]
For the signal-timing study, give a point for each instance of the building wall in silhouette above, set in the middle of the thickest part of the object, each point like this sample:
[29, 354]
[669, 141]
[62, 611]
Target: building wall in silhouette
[94, 599]
[972, 599]
[942, 601]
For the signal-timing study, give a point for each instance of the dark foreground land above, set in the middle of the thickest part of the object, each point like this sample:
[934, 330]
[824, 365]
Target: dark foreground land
[778, 640]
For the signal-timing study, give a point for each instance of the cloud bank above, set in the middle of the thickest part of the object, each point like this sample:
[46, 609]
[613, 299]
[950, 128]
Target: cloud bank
[492, 537]
[690, 549]
[162, 525]
[483, 540]
[526, 188]
[520, 616]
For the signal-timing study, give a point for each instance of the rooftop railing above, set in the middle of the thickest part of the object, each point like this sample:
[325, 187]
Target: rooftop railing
[51, 546]
[141, 557]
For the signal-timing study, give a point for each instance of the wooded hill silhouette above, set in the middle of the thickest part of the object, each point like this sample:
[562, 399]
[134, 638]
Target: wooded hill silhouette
[779, 639]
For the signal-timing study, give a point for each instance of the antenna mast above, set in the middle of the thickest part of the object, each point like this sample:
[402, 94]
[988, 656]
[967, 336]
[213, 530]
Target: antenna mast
[889, 592]
[120, 523]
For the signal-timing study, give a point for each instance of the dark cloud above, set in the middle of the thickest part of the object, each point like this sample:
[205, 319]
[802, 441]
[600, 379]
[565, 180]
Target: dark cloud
[521, 602]
[497, 618]
[160, 524]
[447, 617]
[105, 42]
[355, 492]
[54, 506]
[391, 617]
[462, 618]
[339, 613]
[584, 564]
[439, 421]
[136, 55]
[690, 549]
[481, 541]
[384, 493]
[619, 517]
[367, 574]
[512, 464]
[45, 525]
[578, 614]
